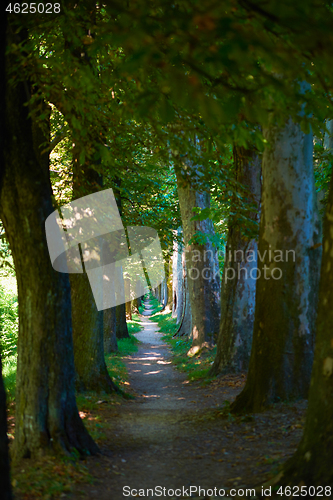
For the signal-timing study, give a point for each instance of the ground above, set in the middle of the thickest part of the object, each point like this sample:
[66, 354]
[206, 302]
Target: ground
[175, 434]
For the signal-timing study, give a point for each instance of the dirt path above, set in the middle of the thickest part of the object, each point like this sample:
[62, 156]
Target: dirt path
[172, 434]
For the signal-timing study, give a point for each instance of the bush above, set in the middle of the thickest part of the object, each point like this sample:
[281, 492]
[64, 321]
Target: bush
[8, 322]
[8, 333]
[196, 367]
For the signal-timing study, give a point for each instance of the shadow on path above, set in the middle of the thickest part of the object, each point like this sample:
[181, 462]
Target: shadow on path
[173, 436]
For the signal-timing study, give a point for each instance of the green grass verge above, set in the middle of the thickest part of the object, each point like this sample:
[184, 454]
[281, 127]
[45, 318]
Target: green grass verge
[157, 306]
[9, 376]
[115, 363]
[134, 325]
[198, 366]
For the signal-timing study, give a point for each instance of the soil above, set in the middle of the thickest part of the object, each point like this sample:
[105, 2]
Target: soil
[174, 435]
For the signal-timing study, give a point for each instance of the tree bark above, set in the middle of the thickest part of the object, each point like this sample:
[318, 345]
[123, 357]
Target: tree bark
[88, 330]
[287, 288]
[128, 306]
[202, 267]
[4, 456]
[177, 279]
[121, 325]
[239, 275]
[185, 326]
[312, 463]
[169, 284]
[110, 338]
[46, 413]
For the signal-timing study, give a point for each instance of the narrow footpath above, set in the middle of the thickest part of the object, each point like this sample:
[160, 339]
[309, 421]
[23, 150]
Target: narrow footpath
[172, 435]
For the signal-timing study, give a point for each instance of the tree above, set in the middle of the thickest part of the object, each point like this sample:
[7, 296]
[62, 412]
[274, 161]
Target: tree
[4, 455]
[311, 464]
[288, 271]
[109, 324]
[201, 261]
[177, 279]
[88, 329]
[46, 411]
[239, 272]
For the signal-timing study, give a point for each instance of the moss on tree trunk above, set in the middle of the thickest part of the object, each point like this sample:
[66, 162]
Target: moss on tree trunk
[88, 330]
[110, 338]
[312, 462]
[202, 266]
[282, 349]
[239, 276]
[46, 413]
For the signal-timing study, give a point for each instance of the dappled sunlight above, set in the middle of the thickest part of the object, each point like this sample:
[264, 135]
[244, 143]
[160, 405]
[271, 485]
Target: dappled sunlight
[164, 362]
[145, 358]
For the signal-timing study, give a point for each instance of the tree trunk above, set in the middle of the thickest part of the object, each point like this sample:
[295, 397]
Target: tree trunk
[135, 305]
[121, 325]
[46, 411]
[287, 287]
[169, 285]
[4, 456]
[239, 275]
[185, 326]
[312, 463]
[88, 330]
[202, 267]
[110, 338]
[164, 295]
[177, 279]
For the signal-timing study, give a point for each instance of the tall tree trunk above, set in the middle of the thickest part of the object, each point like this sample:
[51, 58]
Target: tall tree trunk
[127, 284]
[287, 289]
[109, 323]
[4, 456]
[312, 463]
[46, 411]
[135, 305]
[185, 322]
[239, 275]
[177, 278]
[121, 325]
[88, 330]
[169, 284]
[202, 266]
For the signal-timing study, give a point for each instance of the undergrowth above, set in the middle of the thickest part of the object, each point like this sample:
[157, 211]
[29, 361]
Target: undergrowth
[114, 361]
[49, 478]
[8, 332]
[152, 301]
[198, 366]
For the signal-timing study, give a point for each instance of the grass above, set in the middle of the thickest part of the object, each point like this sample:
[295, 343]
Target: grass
[8, 331]
[134, 325]
[9, 376]
[115, 363]
[49, 478]
[198, 366]
[157, 306]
